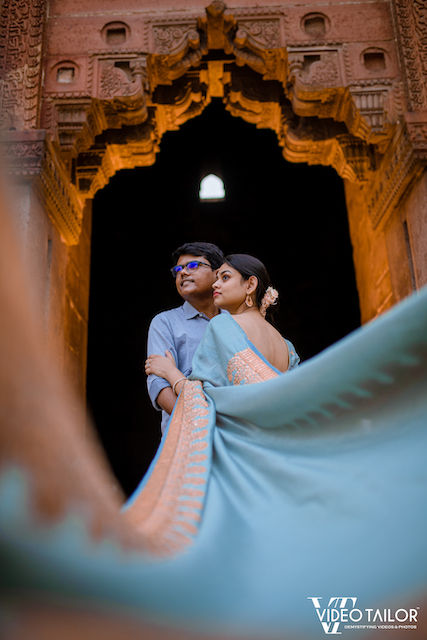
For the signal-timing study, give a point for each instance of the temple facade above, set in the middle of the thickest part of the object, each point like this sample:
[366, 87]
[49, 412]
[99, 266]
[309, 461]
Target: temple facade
[88, 89]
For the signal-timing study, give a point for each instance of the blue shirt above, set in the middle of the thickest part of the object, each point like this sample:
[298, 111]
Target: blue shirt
[179, 331]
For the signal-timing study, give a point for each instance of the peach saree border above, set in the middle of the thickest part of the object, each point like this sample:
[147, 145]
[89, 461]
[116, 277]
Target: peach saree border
[168, 509]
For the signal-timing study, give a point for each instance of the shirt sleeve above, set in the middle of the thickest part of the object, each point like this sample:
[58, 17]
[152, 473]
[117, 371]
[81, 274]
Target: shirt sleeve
[160, 339]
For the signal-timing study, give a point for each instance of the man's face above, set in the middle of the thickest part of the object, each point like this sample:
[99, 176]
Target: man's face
[194, 283]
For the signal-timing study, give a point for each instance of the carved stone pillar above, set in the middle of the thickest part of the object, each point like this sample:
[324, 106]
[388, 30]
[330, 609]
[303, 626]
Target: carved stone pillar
[21, 39]
[399, 195]
[48, 209]
[56, 243]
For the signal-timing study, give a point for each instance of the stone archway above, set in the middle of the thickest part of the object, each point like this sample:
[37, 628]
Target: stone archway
[310, 260]
[110, 84]
[301, 92]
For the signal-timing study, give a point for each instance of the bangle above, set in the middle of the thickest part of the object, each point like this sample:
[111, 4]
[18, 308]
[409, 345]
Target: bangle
[176, 382]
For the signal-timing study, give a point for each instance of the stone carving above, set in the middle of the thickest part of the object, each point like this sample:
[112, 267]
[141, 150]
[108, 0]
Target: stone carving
[73, 123]
[420, 15]
[324, 71]
[124, 82]
[115, 149]
[264, 33]
[314, 67]
[60, 197]
[179, 46]
[266, 115]
[31, 156]
[361, 106]
[326, 143]
[405, 158]
[169, 38]
[20, 64]
[268, 62]
[180, 105]
[20, 156]
[121, 99]
[187, 52]
[412, 30]
[416, 127]
[370, 100]
[113, 81]
[357, 158]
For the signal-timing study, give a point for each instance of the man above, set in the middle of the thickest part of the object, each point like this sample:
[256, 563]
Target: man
[180, 330]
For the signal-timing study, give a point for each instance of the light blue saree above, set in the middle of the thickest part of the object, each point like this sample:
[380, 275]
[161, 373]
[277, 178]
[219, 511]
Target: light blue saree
[279, 505]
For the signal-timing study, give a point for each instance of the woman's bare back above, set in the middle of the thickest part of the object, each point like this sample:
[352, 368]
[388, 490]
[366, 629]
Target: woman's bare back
[265, 338]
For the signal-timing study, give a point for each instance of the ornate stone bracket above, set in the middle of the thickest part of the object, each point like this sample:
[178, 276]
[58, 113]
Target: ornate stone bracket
[29, 156]
[133, 146]
[118, 98]
[179, 46]
[316, 87]
[403, 162]
[327, 143]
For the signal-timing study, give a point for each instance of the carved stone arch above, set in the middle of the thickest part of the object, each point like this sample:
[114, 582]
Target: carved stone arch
[133, 97]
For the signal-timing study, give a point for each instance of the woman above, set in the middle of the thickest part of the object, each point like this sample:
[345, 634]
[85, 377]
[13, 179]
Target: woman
[243, 289]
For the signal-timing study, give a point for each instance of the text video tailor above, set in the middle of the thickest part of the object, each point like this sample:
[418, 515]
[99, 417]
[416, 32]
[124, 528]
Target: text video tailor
[343, 609]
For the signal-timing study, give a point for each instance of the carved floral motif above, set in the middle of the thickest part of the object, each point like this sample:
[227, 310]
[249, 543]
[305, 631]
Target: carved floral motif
[20, 62]
[420, 15]
[167, 38]
[324, 71]
[263, 32]
[411, 20]
[114, 82]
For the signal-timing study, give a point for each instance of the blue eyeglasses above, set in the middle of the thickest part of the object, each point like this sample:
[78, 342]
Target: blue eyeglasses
[189, 266]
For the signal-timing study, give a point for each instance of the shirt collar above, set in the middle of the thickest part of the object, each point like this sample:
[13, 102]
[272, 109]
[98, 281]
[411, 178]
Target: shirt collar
[190, 312]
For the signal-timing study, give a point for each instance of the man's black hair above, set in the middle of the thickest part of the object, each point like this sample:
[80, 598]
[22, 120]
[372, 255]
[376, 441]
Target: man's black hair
[203, 250]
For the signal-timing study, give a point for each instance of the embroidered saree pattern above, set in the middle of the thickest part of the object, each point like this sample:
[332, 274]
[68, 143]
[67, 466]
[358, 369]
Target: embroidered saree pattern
[167, 509]
[245, 367]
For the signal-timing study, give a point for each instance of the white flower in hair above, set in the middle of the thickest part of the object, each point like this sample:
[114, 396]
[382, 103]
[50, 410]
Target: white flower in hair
[269, 298]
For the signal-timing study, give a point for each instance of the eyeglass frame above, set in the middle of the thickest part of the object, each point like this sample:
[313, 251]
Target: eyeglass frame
[184, 266]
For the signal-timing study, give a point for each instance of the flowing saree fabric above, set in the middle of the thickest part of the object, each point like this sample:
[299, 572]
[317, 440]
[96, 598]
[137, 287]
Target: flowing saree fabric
[271, 495]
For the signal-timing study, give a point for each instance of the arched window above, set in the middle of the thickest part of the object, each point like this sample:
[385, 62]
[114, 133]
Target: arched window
[211, 188]
[115, 33]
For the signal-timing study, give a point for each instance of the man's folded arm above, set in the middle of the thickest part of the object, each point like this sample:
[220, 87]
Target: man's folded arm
[160, 339]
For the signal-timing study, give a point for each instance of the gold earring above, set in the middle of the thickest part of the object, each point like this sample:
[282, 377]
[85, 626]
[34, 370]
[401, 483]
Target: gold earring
[249, 302]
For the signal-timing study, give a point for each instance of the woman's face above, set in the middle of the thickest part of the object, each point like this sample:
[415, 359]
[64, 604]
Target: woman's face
[230, 289]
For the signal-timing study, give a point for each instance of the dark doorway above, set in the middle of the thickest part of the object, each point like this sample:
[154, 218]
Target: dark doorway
[291, 216]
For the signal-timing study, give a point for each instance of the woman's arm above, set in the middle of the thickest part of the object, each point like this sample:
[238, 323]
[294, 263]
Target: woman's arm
[166, 400]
